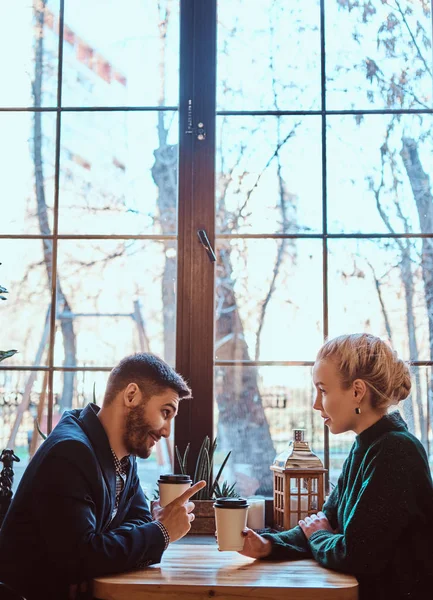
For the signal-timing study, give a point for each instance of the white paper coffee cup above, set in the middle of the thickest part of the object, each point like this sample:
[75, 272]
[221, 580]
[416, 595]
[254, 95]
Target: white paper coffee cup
[172, 486]
[231, 520]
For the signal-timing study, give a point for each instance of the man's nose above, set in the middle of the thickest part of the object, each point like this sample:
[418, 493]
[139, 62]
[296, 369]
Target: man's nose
[166, 430]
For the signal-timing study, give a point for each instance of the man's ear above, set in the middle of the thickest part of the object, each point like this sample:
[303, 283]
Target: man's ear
[131, 395]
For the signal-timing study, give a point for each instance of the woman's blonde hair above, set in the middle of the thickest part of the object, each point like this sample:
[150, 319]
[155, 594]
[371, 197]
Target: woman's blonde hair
[364, 356]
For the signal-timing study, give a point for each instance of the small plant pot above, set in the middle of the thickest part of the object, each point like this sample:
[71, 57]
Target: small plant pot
[204, 512]
[204, 521]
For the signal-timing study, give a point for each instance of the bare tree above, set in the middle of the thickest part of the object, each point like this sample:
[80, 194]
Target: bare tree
[62, 304]
[404, 44]
[164, 173]
[421, 188]
[5, 353]
[406, 273]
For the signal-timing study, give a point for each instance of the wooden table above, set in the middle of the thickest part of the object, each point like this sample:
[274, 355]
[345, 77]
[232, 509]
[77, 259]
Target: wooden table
[200, 572]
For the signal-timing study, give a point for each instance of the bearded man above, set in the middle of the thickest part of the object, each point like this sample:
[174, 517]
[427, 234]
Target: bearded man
[79, 511]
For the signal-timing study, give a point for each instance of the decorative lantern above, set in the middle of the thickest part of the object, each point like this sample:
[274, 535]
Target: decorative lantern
[298, 483]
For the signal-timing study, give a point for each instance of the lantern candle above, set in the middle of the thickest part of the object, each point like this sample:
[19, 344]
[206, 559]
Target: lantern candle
[295, 514]
[256, 513]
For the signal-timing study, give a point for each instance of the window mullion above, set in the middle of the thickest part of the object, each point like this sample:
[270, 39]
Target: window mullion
[196, 272]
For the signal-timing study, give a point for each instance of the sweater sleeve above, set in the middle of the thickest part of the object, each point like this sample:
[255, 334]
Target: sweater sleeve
[379, 514]
[330, 508]
[288, 545]
[292, 544]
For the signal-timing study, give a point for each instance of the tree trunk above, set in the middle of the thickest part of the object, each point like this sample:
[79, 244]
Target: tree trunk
[407, 277]
[69, 340]
[242, 424]
[164, 173]
[420, 184]
[24, 404]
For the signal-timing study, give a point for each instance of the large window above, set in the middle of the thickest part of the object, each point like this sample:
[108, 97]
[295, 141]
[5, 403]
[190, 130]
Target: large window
[296, 136]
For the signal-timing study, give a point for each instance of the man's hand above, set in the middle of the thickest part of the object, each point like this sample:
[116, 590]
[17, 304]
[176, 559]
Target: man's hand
[156, 510]
[255, 546]
[177, 516]
[314, 523]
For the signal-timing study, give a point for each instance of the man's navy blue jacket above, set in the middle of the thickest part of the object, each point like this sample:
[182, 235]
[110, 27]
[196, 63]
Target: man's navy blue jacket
[58, 529]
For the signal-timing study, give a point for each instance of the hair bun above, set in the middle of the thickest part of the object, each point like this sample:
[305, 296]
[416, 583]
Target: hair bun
[402, 381]
[367, 357]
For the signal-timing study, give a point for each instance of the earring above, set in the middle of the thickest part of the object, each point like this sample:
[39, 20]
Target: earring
[357, 410]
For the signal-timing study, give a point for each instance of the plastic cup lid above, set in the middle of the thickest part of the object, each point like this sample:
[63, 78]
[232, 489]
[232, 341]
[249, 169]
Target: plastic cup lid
[231, 503]
[174, 478]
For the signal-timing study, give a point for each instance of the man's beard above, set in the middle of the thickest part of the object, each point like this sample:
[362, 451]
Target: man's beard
[136, 436]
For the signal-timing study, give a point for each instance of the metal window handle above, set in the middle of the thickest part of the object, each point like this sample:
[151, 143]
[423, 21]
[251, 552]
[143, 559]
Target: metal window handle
[199, 131]
[204, 241]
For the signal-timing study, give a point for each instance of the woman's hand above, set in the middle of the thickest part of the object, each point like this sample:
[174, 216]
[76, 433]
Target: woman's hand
[314, 523]
[255, 546]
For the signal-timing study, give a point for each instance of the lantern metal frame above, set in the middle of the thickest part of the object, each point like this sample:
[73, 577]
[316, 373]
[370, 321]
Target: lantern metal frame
[299, 483]
[289, 506]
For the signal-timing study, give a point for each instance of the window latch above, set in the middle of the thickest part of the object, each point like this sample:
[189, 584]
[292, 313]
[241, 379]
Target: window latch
[200, 130]
[204, 241]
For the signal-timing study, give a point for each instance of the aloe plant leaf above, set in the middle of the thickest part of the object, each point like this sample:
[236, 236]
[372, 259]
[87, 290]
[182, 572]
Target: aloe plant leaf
[230, 490]
[207, 489]
[212, 455]
[220, 471]
[7, 354]
[204, 471]
[179, 459]
[185, 459]
[213, 448]
[198, 465]
[203, 464]
[206, 475]
[41, 433]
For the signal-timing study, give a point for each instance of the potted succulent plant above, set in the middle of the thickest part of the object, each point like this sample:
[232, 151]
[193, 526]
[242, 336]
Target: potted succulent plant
[7, 456]
[5, 353]
[204, 521]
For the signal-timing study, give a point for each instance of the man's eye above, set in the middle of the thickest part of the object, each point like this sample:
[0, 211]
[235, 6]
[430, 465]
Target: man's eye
[166, 413]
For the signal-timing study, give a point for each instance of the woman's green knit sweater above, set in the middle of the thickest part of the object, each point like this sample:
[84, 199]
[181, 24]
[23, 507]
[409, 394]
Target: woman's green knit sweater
[382, 512]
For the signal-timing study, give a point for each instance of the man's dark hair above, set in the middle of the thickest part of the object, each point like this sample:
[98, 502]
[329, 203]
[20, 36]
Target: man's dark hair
[152, 375]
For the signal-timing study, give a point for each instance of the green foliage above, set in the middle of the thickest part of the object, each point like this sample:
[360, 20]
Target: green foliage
[3, 291]
[204, 470]
[41, 433]
[5, 353]
[226, 490]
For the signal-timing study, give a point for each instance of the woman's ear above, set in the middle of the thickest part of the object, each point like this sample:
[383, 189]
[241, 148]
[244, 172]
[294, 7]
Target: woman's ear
[359, 390]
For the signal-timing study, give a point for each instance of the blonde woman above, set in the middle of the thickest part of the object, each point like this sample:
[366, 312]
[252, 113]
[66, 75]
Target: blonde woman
[377, 522]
